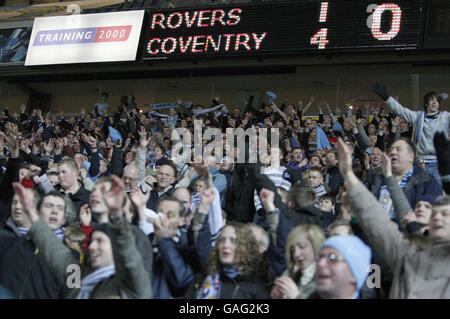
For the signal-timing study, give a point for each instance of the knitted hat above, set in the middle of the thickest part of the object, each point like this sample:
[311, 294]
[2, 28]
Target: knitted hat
[103, 228]
[426, 198]
[356, 254]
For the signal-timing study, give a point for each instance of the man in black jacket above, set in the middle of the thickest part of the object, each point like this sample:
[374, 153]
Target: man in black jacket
[164, 186]
[332, 176]
[22, 269]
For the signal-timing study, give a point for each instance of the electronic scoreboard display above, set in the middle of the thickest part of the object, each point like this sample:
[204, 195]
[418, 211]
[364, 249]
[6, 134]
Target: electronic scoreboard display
[282, 28]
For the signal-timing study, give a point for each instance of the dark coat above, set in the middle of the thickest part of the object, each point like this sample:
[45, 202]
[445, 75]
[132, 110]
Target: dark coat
[334, 180]
[155, 199]
[7, 192]
[176, 263]
[24, 271]
[81, 197]
[240, 204]
[241, 287]
[420, 185]
[172, 273]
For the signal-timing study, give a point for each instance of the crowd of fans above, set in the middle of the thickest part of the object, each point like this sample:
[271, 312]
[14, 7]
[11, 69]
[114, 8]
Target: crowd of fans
[356, 208]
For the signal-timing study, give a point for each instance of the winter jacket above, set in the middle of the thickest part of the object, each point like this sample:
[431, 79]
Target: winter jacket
[6, 194]
[239, 202]
[172, 273]
[425, 145]
[155, 198]
[420, 269]
[81, 197]
[333, 179]
[23, 269]
[420, 185]
[131, 279]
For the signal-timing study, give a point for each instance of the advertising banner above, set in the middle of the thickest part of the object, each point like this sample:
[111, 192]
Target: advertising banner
[99, 37]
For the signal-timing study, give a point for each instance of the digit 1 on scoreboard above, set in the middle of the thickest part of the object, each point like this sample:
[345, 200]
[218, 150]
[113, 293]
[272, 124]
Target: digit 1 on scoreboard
[320, 38]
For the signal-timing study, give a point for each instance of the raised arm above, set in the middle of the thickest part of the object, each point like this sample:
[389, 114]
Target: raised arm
[410, 116]
[401, 203]
[277, 109]
[142, 152]
[382, 233]
[128, 261]
[55, 253]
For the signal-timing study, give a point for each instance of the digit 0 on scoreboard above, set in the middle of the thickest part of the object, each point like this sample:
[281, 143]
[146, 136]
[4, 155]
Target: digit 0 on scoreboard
[283, 28]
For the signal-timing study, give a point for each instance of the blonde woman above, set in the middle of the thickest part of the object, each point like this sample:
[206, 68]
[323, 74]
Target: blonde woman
[302, 249]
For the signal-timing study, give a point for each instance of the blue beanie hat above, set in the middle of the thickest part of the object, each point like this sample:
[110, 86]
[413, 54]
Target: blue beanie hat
[356, 253]
[115, 135]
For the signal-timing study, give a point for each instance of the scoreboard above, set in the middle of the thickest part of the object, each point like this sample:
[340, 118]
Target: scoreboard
[282, 28]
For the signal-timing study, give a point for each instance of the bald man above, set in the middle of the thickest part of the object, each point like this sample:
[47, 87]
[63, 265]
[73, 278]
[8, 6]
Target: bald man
[130, 177]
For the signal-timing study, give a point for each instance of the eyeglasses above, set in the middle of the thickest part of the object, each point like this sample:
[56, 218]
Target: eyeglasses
[331, 258]
[128, 179]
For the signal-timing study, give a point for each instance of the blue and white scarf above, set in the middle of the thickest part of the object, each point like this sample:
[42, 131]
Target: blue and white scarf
[385, 198]
[59, 233]
[195, 201]
[23, 231]
[320, 190]
[212, 285]
[90, 281]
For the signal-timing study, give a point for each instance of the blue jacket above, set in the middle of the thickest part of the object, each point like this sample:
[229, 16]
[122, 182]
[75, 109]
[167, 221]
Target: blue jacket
[176, 263]
[421, 185]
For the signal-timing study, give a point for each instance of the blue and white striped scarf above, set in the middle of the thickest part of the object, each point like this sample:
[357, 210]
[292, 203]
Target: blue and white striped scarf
[195, 201]
[23, 231]
[385, 198]
[59, 233]
[212, 285]
[90, 281]
[320, 190]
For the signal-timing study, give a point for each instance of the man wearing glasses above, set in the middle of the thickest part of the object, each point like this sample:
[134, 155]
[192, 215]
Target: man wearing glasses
[130, 177]
[342, 267]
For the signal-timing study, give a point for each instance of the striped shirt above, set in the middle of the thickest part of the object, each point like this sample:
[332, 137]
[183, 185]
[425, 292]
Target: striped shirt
[276, 175]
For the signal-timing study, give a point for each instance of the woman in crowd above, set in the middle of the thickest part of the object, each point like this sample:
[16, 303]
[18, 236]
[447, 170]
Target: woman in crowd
[302, 249]
[234, 269]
